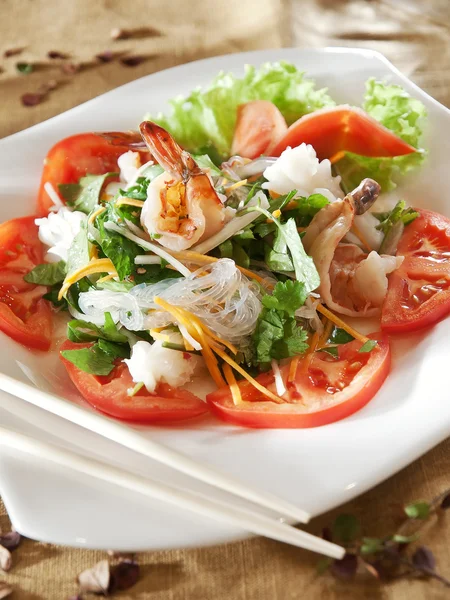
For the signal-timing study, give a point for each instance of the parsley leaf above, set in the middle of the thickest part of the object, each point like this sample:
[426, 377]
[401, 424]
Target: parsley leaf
[287, 296]
[47, 274]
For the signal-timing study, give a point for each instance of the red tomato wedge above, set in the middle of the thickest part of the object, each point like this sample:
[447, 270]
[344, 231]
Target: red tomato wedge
[75, 157]
[342, 129]
[259, 126]
[323, 391]
[419, 290]
[24, 315]
[110, 395]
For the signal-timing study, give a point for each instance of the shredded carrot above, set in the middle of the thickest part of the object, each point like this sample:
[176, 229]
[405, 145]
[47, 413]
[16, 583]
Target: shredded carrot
[337, 157]
[100, 265]
[106, 278]
[130, 202]
[234, 388]
[248, 377]
[342, 324]
[95, 214]
[236, 185]
[293, 368]
[360, 237]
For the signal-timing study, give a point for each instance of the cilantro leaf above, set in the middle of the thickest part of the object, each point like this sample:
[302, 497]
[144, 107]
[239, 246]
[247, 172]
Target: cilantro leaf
[287, 296]
[277, 334]
[47, 273]
[307, 208]
[269, 330]
[204, 162]
[138, 191]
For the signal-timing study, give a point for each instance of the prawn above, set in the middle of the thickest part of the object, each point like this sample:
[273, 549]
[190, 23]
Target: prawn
[182, 206]
[351, 282]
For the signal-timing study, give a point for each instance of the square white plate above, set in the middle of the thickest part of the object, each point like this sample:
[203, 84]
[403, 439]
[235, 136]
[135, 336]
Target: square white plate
[317, 468]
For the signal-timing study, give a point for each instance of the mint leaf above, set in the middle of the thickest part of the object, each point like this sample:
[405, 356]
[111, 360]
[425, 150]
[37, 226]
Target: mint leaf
[418, 510]
[346, 528]
[90, 360]
[368, 346]
[287, 296]
[47, 274]
[371, 545]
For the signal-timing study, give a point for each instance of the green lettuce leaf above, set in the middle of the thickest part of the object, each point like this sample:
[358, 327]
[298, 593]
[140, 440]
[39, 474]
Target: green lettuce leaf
[405, 116]
[207, 116]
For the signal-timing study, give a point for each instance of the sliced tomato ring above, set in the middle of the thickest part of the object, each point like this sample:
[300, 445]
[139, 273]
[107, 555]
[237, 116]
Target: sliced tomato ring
[259, 126]
[73, 158]
[109, 395]
[419, 290]
[343, 129]
[324, 390]
[24, 315]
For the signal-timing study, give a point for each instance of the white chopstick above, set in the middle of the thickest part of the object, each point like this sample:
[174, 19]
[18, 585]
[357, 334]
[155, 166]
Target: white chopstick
[226, 512]
[128, 437]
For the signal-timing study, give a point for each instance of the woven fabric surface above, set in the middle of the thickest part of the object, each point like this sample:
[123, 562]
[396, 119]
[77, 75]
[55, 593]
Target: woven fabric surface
[415, 37]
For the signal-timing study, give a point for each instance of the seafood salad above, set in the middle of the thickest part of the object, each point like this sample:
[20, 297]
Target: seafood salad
[239, 242]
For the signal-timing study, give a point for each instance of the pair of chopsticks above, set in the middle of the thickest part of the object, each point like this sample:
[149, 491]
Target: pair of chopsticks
[228, 512]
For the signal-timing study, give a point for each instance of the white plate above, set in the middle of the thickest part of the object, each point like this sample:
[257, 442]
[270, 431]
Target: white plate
[317, 468]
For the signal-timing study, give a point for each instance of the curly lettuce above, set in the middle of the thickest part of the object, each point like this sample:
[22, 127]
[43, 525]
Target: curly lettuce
[206, 118]
[394, 108]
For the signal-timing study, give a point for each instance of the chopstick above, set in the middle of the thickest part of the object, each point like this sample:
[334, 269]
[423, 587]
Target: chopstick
[226, 512]
[126, 436]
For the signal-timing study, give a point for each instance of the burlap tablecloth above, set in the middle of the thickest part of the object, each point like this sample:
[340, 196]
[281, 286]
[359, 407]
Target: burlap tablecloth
[415, 36]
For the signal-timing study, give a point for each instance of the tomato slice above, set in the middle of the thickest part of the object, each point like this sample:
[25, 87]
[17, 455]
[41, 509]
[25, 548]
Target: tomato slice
[419, 290]
[324, 390]
[75, 157]
[343, 129]
[24, 315]
[110, 395]
[259, 126]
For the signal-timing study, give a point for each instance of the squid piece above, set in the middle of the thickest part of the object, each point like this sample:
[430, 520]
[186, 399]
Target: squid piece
[351, 282]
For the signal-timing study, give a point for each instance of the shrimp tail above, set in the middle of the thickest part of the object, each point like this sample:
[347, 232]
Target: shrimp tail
[129, 139]
[364, 195]
[165, 149]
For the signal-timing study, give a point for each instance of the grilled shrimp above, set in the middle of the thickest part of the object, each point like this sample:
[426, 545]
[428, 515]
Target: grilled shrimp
[182, 206]
[351, 282]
